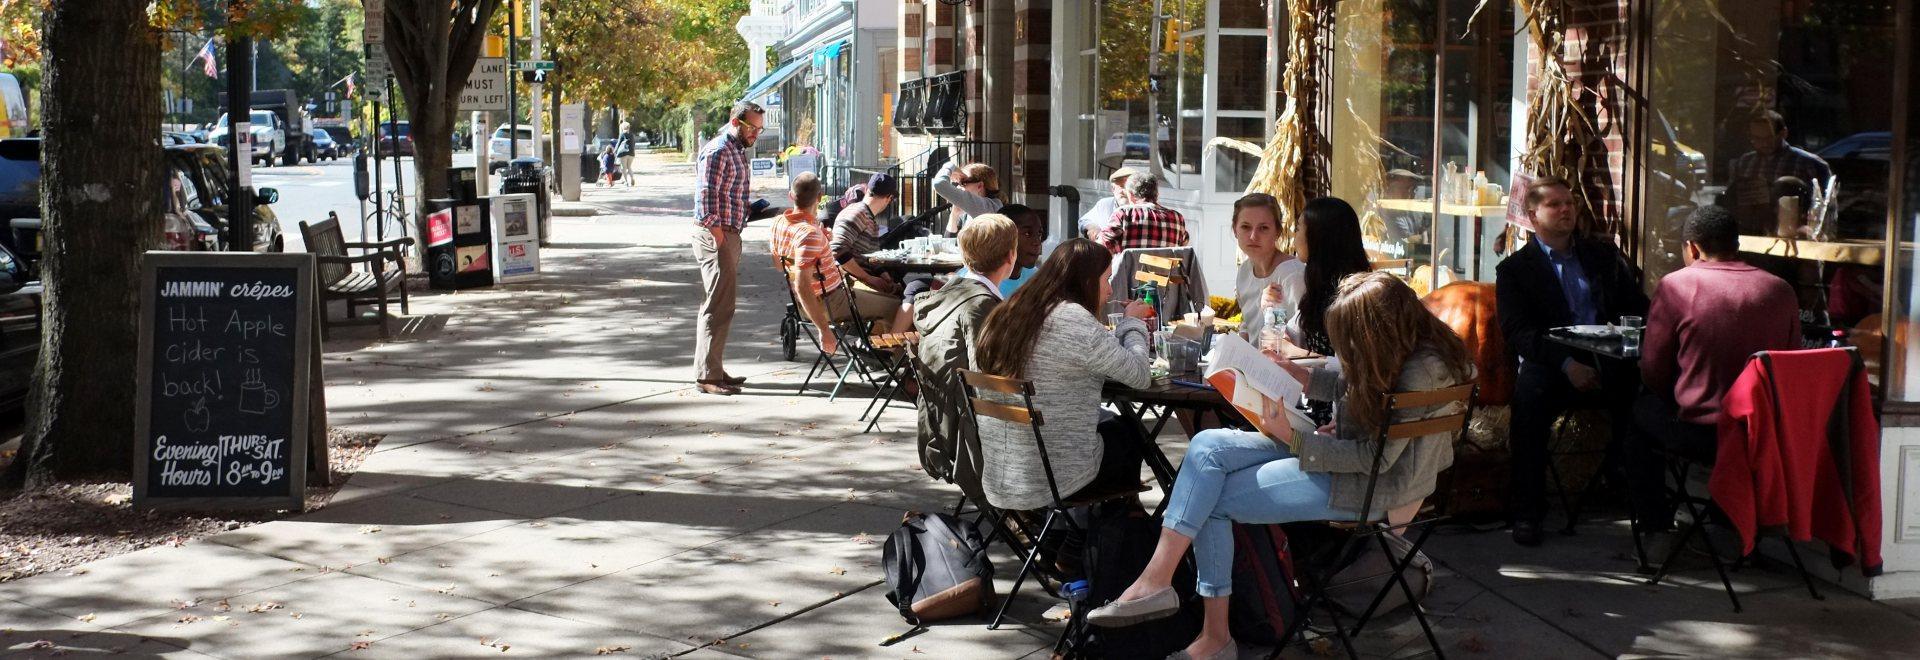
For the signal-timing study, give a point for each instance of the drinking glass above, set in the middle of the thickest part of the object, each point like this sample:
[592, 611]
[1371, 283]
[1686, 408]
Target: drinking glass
[1631, 328]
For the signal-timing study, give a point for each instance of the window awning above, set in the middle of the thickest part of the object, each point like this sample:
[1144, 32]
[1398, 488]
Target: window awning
[766, 83]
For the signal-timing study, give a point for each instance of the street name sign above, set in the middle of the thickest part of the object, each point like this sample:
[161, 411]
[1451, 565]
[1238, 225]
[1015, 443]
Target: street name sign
[533, 65]
[224, 365]
[486, 86]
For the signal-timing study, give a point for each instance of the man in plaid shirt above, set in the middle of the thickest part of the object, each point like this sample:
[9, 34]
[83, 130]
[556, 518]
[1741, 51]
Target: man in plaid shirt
[1143, 223]
[1755, 173]
[721, 207]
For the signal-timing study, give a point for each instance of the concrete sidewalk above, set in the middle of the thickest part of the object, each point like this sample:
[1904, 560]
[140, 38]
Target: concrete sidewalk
[550, 485]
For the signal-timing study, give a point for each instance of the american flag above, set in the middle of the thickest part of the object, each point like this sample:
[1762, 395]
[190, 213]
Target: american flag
[206, 53]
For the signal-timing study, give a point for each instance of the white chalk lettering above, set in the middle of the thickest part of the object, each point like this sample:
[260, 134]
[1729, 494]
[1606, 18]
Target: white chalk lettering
[258, 290]
[255, 328]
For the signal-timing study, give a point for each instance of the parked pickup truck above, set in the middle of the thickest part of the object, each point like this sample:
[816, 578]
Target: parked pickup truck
[291, 127]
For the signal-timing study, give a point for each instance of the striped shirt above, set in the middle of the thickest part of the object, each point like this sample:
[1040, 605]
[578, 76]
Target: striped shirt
[1144, 226]
[854, 231]
[798, 238]
[724, 184]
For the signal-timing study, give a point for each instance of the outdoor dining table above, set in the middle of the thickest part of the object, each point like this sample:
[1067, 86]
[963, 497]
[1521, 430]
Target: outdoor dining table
[1608, 350]
[897, 262]
[1162, 400]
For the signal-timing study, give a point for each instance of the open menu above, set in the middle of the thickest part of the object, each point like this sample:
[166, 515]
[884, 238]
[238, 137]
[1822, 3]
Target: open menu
[1252, 382]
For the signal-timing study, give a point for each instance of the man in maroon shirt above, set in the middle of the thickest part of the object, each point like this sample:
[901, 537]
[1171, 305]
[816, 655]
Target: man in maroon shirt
[1705, 320]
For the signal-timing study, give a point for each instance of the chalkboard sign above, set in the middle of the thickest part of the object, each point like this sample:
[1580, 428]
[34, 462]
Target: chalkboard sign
[224, 367]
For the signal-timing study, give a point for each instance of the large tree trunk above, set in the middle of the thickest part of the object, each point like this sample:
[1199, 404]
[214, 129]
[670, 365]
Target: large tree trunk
[433, 45]
[100, 195]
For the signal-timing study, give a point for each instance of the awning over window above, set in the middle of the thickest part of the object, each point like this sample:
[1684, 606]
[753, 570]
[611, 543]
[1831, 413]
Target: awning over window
[766, 83]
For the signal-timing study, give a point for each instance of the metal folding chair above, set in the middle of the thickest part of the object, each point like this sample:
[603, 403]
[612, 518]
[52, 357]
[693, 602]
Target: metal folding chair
[795, 324]
[972, 382]
[1366, 527]
[899, 348]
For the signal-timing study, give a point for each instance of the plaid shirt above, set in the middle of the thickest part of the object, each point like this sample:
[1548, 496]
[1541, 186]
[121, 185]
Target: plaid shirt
[724, 184]
[799, 238]
[1754, 173]
[1144, 226]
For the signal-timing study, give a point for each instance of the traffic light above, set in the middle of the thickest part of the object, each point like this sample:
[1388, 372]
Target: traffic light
[535, 77]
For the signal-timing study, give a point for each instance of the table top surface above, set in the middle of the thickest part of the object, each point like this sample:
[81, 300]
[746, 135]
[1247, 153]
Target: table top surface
[1609, 348]
[1168, 392]
[894, 260]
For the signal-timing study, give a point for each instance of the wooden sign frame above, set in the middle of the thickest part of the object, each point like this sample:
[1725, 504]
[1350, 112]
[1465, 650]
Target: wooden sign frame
[305, 356]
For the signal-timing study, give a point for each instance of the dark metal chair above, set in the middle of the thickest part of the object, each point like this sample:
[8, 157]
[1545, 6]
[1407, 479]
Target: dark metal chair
[795, 324]
[972, 383]
[1418, 518]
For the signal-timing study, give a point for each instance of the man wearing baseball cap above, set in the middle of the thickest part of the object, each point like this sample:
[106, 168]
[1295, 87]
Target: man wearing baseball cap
[1095, 219]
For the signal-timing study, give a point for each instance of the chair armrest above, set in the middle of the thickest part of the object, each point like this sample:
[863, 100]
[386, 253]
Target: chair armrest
[370, 257]
[402, 241]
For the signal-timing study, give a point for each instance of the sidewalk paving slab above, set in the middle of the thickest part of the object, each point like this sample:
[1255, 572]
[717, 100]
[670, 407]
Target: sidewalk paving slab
[365, 531]
[31, 632]
[313, 617]
[504, 632]
[697, 596]
[137, 585]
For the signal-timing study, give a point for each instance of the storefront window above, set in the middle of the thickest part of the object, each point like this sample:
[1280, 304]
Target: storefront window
[1780, 111]
[1135, 116]
[1423, 213]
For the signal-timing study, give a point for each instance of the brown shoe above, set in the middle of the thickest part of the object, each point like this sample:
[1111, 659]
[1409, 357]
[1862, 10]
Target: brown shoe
[721, 389]
[735, 381]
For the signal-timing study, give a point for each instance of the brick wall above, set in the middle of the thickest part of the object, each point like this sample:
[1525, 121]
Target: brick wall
[1032, 98]
[1596, 58]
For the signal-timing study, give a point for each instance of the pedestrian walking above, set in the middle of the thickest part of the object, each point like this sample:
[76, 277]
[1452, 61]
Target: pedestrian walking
[624, 151]
[722, 209]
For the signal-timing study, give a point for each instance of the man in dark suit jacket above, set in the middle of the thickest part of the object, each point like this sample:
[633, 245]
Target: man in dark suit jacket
[1559, 278]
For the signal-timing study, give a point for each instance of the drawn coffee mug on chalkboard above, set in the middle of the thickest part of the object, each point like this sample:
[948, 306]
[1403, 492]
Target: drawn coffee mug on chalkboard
[255, 397]
[197, 417]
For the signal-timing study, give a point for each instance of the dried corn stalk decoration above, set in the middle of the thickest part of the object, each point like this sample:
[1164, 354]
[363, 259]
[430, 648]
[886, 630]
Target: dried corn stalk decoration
[1283, 161]
[1559, 131]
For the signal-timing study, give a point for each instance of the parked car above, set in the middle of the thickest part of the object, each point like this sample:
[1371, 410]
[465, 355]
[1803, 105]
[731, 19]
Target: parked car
[175, 138]
[343, 138]
[205, 167]
[19, 329]
[266, 135]
[19, 187]
[323, 145]
[499, 149]
[396, 138]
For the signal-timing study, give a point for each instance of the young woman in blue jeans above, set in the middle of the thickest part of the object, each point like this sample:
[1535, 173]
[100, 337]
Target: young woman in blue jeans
[1387, 342]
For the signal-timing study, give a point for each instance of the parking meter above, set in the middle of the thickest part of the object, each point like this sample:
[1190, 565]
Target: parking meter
[361, 187]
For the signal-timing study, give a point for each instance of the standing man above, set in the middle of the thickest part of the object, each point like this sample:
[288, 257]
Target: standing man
[722, 210]
[1559, 278]
[1754, 174]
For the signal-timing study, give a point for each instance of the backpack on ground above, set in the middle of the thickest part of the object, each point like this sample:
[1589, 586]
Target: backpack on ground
[1365, 572]
[1120, 541]
[1266, 597]
[937, 568]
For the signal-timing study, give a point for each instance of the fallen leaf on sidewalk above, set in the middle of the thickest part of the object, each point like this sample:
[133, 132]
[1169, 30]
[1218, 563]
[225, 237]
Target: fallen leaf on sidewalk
[370, 529]
[359, 646]
[610, 650]
[1472, 644]
[264, 606]
[838, 571]
[88, 617]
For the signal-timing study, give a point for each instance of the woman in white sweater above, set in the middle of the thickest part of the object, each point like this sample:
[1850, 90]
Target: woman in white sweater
[972, 190]
[1256, 228]
[1047, 333]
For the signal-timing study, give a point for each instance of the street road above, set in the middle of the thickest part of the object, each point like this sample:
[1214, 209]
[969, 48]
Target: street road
[309, 191]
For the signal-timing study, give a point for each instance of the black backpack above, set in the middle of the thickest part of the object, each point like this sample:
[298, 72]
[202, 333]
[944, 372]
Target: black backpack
[1266, 598]
[1120, 541]
[937, 568]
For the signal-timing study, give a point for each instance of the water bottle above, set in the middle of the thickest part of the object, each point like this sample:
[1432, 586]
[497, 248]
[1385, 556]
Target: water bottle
[1838, 339]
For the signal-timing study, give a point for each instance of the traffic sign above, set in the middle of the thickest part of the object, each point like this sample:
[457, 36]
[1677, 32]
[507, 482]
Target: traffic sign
[378, 71]
[533, 65]
[375, 13]
[486, 86]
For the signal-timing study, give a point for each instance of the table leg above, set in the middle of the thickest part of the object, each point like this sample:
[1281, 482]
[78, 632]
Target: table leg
[1156, 460]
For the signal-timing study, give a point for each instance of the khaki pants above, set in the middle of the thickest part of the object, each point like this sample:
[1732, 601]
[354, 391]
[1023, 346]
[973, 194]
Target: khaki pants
[719, 277]
[874, 307]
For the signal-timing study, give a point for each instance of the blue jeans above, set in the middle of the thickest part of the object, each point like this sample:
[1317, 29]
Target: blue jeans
[1238, 476]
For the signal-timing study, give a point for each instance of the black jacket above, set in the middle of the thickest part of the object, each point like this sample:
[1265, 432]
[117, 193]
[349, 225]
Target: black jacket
[1531, 301]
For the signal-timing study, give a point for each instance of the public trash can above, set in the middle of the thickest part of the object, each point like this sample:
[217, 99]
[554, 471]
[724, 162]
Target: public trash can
[530, 175]
[590, 168]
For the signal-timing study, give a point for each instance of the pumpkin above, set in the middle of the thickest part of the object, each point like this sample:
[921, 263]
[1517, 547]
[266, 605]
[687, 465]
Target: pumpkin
[1470, 309]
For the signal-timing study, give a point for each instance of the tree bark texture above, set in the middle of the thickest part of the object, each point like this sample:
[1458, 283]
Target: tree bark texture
[101, 190]
[433, 45]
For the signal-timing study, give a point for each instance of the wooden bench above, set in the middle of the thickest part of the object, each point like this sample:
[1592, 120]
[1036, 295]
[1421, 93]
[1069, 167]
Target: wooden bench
[384, 276]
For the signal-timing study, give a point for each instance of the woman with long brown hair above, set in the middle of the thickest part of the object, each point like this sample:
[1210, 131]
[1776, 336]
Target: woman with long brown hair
[1048, 333]
[1389, 342]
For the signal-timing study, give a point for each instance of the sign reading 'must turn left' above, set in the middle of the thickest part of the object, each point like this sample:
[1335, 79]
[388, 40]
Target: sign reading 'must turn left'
[223, 371]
